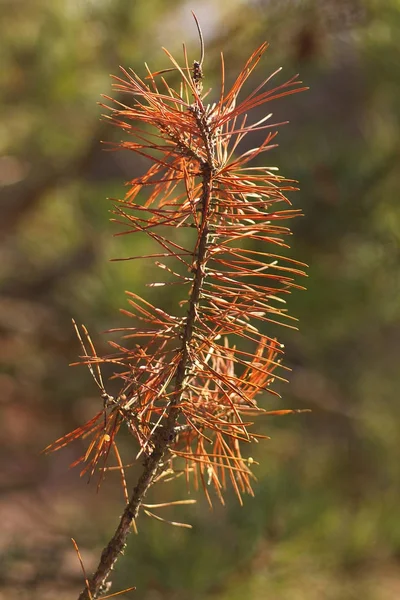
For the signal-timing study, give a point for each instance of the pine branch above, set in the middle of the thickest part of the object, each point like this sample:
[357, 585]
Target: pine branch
[187, 393]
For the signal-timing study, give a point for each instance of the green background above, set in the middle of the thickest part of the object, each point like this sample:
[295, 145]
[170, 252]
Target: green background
[325, 520]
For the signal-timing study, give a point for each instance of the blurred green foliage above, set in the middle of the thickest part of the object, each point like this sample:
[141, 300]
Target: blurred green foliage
[325, 521]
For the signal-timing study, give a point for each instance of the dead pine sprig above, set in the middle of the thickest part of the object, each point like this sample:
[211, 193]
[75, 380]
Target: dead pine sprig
[189, 383]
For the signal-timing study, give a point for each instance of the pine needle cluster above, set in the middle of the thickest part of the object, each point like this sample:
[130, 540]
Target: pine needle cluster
[190, 381]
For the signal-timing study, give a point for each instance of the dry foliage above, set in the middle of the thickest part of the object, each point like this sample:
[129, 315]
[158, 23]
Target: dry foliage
[190, 381]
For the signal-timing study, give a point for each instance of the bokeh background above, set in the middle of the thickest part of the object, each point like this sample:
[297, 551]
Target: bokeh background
[325, 521]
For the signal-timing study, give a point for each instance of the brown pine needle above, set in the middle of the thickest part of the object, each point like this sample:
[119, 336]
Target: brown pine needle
[82, 567]
[118, 593]
[174, 523]
[173, 503]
